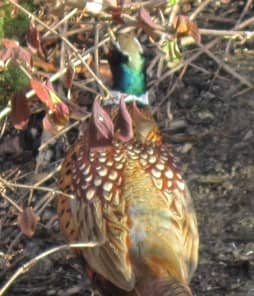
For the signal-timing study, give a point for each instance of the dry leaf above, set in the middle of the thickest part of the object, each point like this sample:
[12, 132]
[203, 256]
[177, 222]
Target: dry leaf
[146, 21]
[34, 40]
[117, 15]
[20, 111]
[40, 63]
[105, 73]
[70, 74]
[27, 221]
[145, 17]
[185, 27]
[102, 121]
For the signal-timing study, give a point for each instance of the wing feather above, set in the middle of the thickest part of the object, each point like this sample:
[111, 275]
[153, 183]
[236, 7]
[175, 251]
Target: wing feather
[96, 213]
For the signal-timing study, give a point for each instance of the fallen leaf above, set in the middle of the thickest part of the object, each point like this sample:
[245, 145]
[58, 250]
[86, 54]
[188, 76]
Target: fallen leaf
[27, 221]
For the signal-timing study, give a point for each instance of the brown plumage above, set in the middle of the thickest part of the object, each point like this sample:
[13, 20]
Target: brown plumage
[129, 192]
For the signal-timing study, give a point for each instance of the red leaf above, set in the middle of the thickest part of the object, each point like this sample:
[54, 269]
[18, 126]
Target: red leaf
[20, 111]
[124, 128]
[42, 92]
[9, 43]
[145, 18]
[102, 121]
[27, 221]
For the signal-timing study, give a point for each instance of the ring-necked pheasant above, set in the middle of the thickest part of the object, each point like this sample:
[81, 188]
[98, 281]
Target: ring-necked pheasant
[129, 193]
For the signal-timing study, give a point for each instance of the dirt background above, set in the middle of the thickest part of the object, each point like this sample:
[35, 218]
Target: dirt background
[211, 133]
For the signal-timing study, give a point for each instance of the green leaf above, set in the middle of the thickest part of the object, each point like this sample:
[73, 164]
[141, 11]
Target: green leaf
[172, 52]
[172, 2]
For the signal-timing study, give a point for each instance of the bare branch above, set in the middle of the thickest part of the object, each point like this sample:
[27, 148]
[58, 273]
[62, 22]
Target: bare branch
[27, 266]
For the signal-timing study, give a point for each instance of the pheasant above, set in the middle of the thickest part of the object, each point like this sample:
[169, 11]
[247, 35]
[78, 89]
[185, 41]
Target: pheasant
[128, 192]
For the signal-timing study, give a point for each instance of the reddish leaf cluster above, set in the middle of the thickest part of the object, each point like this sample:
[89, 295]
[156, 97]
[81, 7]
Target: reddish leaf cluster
[13, 51]
[58, 112]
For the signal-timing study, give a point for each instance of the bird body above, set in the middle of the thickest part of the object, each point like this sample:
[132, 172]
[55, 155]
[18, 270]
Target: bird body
[130, 195]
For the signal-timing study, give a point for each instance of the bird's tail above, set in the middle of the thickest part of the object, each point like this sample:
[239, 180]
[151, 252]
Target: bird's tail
[166, 287]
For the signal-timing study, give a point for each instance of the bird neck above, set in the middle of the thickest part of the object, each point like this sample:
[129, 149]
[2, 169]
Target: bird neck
[132, 80]
[128, 72]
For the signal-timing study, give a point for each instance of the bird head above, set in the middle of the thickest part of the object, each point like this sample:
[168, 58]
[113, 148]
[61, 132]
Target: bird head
[127, 65]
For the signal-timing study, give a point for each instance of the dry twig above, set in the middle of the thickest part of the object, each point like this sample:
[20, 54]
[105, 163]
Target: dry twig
[27, 266]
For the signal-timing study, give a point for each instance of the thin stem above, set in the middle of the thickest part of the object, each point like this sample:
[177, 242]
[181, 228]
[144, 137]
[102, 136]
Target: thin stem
[27, 266]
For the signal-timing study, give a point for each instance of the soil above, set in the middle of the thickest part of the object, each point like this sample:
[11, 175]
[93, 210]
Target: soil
[212, 133]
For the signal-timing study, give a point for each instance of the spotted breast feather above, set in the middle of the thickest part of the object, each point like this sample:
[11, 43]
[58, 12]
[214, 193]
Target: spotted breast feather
[129, 194]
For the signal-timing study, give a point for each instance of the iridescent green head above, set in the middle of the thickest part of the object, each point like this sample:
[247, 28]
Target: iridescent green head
[128, 65]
